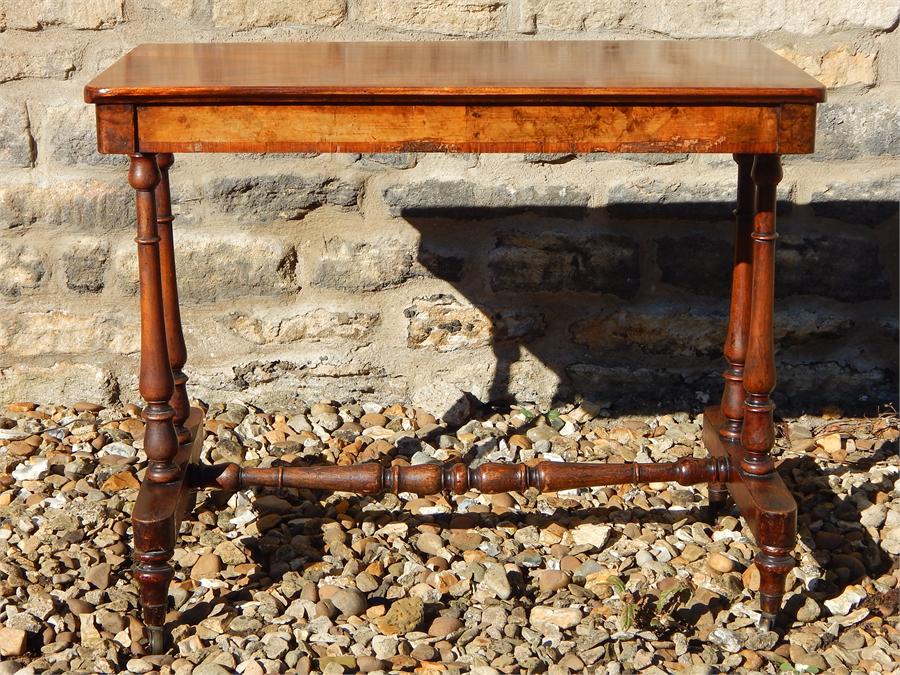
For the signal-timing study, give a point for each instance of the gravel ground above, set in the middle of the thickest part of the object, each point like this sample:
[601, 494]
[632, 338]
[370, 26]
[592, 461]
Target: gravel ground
[614, 580]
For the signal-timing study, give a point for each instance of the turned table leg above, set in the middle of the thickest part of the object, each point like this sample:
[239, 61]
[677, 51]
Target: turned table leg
[735, 349]
[758, 432]
[151, 550]
[174, 334]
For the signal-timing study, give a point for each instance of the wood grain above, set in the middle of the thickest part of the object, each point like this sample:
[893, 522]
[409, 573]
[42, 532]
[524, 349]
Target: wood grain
[422, 128]
[429, 479]
[724, 71]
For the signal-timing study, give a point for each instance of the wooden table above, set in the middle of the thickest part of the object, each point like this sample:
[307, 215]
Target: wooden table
[552, 97]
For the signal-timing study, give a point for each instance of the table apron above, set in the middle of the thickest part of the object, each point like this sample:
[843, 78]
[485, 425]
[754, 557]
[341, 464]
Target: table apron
[757, 129]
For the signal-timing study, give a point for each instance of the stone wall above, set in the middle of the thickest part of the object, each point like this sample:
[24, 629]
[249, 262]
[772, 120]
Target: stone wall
[344, 276]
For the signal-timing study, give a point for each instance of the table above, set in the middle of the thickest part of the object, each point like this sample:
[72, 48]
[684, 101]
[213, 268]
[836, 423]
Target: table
[459, 96]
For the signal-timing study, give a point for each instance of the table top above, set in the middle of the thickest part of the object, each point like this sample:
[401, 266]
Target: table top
[623, 71]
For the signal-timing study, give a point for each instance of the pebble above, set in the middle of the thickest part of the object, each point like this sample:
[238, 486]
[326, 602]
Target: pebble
[443, 626]
[557, 616]
[552, 580]
[404, 616]
[429, 543]
[846, 601]
[98, 576]
[12, 641]
[588, 534]
[496, 582]
[720, 563]
[208, 566]
[349, 602]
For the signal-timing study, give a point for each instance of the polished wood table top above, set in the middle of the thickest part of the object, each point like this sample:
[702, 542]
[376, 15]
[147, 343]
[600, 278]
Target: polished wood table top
[622, 71]
[465, 96]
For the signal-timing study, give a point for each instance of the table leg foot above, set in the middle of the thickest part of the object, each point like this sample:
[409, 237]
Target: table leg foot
[767, 506]
[153, 574]
[157, 514]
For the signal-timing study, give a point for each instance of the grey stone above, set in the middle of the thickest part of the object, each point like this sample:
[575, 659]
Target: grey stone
[443, 400]
[349, 601]
[857, 128]
[866, 202]
[23, 55]
[214, 267]
[355, 266]
[85, 266]
[843, 267]
[88, 204]
[465, 199]
[21, 269]
[67, 134]
[554, 261]
[657, 198]
[91, 15]
[261, 199]
[16, 142]
[496, 580]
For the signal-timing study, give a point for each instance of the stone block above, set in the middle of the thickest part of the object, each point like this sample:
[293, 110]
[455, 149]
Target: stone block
[285, 327]
[553, 261]
[443, 324]
[711, 18]
[264, 198]
[254, 13]
[851, 383]
[179, 8]
[16, 143]
[837, 66]
[355, 266]
[857, 128]
[69, 205]
[21, 268]
[463, 199]
[391, 160]
[58, 331]
[447, 17]
[84, 265]
[67, 134]
[696, 262]
[25, 55]
[81, 14]
[216, 267]
[438, 264]
[835, 266]
[656, 198]
[64, 381]
[863, 202]
[692, 330]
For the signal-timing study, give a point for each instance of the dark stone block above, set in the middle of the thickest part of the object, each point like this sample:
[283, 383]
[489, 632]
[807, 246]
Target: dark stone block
[549, 261]
[843, 268]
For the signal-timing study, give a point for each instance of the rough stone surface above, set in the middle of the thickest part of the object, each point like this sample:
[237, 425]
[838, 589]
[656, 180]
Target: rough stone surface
[549, 261]
[251, 13]
[530, 277]
[448, 17]
[82, 14]
[21, 269]
[16, 142]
